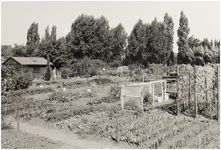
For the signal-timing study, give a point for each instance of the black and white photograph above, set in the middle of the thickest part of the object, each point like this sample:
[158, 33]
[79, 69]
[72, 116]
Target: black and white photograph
[110, 74]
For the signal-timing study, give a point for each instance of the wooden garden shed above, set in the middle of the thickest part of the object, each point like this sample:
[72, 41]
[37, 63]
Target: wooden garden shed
[34, 65]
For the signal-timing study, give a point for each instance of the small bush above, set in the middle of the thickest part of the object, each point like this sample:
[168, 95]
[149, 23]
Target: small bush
[65, 73]
[5, 125]
[102, 81]
[58, 96]
[138, 71]
[47, 75]
[148, 98]
[23, 81]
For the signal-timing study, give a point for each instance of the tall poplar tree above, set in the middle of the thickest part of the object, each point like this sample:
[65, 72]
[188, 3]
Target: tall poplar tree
[168, 21]
[136, 43]
[32, 39]
[185, 54]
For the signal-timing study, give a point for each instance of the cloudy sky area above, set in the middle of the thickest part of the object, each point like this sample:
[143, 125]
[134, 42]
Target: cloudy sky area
[16, 17]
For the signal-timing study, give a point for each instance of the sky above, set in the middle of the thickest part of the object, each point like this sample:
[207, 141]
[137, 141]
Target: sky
[17, 16]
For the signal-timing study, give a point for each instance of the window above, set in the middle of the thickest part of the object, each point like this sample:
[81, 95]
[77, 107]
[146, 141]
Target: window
[36, 69]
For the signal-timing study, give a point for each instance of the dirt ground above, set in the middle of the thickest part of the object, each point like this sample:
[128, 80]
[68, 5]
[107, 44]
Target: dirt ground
[30, 136]
[13, 139]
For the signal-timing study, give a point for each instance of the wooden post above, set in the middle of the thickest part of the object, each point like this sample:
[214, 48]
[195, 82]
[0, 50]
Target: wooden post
[6, 108]
[195, 96]
[117, 132]
[122, 98]
[178, 95]
[165, 90]
[211, 115]
[162, 88]
[196, 110]
[218, 99]
[206, 92]
[141, 102]
[189, 89]
[17, 114]
[143, 78]
[153, 93]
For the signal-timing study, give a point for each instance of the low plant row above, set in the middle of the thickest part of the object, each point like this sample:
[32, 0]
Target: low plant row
[137, 130]
[60, 83]
[28, 91]
[107, 99]
[60, 96]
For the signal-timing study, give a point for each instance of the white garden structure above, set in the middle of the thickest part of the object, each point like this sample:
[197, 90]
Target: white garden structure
[134, 93]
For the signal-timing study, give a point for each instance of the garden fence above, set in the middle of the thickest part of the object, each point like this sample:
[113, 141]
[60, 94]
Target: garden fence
[198, 89]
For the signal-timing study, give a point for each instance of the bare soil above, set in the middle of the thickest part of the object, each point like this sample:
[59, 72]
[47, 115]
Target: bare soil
[52, 138]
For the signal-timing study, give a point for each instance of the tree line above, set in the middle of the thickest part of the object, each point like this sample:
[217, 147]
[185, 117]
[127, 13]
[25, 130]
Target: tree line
[93, 39]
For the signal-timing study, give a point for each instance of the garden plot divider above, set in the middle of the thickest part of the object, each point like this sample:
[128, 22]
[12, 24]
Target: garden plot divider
[198, 89]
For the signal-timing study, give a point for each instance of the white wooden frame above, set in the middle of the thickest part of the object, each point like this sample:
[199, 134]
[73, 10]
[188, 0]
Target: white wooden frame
[141, 86]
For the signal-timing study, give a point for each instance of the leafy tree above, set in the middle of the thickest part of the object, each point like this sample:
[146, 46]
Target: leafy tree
[205, 43]
[6, 51]
[136, 43]
[59, 55]
[169, 56]
[88, 37]
[32, 39]
[19, 51]
[208, 55]
[117, 43]
[185, 54]
[53, 35]
[198, 55]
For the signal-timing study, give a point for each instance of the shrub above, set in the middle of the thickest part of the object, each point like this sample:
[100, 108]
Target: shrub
[115, 63]
[48, 72]
[58, 96]
[23, 81]
[5, 125]
[65, 73]
[102, 81]
[138, 71]
[148, 98]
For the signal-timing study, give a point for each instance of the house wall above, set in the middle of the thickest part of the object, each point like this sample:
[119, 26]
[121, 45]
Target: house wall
[14, 64]
[39, 73]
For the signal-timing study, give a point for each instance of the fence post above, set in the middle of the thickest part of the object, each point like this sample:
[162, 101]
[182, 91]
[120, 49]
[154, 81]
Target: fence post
[189, 90]
[117, 132]
[153, 93]
[196, 109]
[178, 91]
[195, 96]
[218, 99]
[17, 114]
[206, 92]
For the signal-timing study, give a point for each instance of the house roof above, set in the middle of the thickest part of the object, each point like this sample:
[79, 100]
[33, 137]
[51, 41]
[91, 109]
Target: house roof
[29, 60]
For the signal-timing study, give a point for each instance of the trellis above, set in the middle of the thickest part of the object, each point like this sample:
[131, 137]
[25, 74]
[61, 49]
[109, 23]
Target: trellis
[134, 93]
[198, 85]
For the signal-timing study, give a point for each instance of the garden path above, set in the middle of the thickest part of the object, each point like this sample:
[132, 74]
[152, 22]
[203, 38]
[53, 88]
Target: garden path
[69, 139]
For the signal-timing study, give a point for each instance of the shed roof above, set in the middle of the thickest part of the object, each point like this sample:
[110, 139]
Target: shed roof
[29, 60]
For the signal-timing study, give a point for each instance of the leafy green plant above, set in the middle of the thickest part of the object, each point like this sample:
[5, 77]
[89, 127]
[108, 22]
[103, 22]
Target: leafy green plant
[102, 81]
[65, 73]
[148, 98]
[24, 81]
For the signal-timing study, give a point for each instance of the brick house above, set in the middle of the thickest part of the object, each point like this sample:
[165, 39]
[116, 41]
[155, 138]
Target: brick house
[34, 65]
